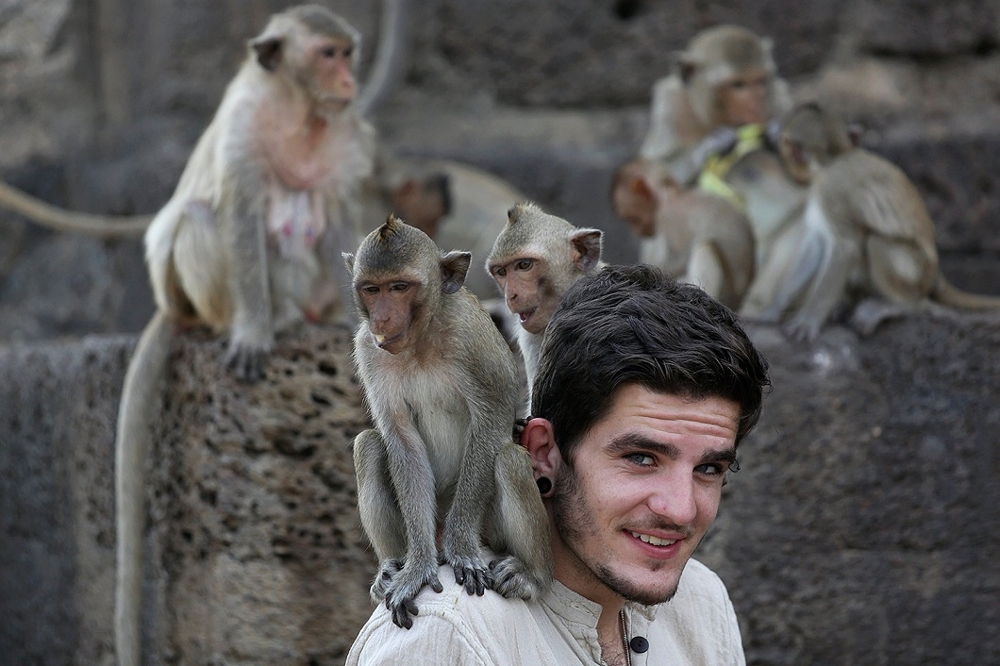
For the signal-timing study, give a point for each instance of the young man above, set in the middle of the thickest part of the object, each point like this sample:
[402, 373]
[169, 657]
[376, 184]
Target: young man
[644, 390]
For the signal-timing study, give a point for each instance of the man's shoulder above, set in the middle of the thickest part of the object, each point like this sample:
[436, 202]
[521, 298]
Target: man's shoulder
[701, 600]
[467, 626]
[700, 582]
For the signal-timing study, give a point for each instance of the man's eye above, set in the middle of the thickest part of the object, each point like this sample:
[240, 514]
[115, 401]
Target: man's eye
[643, 459]
[710, 469]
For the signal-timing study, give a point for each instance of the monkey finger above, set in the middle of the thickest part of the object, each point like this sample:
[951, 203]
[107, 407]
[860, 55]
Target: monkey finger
[519, 425]
[401, 612]
[474, 580]
[247, 364]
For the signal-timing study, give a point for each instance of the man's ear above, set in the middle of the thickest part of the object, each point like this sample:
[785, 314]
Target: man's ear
[540, 441]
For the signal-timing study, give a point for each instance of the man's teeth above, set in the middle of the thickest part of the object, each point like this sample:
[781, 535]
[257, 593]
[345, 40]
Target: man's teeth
[652, 540]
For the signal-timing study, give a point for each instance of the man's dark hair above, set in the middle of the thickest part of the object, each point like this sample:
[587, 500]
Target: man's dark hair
[633, 325]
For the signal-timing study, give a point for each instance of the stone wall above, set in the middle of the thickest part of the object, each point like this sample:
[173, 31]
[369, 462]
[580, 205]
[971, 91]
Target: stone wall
[862, 528]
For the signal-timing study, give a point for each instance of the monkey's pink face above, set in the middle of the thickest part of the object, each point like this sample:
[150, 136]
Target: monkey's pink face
[421, 204]
[390, 305]
[637, 207]
[334, 79]
[523, 282]
[793, 158]
[743, 98]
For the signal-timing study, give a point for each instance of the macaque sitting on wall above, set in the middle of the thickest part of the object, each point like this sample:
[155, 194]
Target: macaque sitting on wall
[251, 240]
[725, 79]
[694, 236]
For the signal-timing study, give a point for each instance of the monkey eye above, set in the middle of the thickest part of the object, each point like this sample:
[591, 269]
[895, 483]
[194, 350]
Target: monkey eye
[523, 264]
[369, 289]
[500, 272]
[399, 286]
[333, 51]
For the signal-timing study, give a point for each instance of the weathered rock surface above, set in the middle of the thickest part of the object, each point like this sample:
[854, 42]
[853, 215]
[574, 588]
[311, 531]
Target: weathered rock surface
[862, 528]
[255, 554]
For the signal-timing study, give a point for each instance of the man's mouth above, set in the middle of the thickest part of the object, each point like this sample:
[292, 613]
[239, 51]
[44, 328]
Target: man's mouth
[652, 540]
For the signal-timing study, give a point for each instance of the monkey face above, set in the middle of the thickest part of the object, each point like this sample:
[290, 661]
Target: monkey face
[421, 203]
[333, 78]
[795, 160]
[743, 98]
[635, 203]
[643, 490]
[523, 282]
[389, 307]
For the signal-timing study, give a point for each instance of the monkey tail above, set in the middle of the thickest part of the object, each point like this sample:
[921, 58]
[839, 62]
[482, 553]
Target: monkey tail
[143, 379]
[101, 226]
[947, 294]
[391, 58]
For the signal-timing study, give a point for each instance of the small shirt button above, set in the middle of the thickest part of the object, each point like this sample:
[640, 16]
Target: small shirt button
[638, 644]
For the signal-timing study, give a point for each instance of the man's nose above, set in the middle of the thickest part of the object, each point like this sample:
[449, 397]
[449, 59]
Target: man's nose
[674, 499]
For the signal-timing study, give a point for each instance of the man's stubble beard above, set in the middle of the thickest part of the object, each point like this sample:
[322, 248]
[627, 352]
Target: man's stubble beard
[574, 522]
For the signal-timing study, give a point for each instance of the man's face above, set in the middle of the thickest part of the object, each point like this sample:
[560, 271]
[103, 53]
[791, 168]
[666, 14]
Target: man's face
[644, 489]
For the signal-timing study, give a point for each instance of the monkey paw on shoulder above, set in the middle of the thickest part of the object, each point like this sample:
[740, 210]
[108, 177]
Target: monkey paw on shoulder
[403, 589]
[383, 578]
[511, 579]
[472, 572]
[247, 361]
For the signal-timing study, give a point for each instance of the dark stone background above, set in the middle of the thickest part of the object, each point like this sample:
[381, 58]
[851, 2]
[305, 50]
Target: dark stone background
[863, 529]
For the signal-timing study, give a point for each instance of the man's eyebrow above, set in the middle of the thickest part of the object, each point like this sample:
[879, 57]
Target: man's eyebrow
[629, 442]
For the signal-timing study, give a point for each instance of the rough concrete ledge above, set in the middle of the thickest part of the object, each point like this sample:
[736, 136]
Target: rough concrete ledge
[862, 529]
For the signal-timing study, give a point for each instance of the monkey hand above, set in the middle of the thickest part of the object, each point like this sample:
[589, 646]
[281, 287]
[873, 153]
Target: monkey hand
[383, 578]
[472, 572]
[802, 328]
[247, 361]
[511, 579]
[519, 425]
[720, 142]
[404, 588]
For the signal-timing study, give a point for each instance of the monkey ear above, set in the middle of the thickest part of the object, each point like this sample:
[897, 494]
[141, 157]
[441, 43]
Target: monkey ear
[854, 133]
[268, 51]
[407, 189]
[454, 268]
[686, 69]
[586, 248]
[348, 261]
[642, 189]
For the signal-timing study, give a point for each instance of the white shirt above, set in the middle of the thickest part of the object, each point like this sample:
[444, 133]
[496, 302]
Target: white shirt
[698, 627]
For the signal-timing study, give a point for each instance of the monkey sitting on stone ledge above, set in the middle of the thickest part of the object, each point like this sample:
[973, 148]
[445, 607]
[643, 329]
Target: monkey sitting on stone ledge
[867, 233]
